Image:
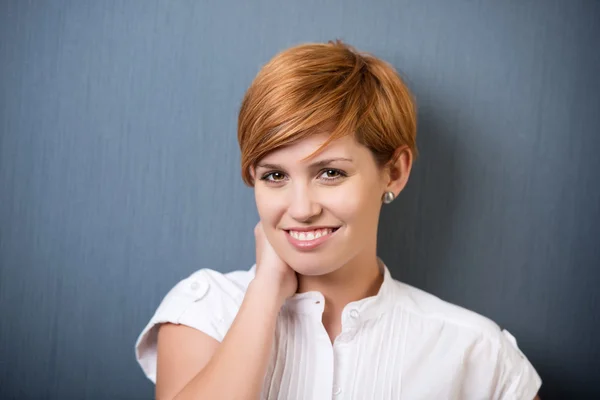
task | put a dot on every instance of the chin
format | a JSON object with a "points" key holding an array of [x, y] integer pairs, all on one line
{"points": [[309, 270], [312, 266]]}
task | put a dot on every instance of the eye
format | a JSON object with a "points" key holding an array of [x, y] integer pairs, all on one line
{"points": [[332, 174], [275, 176]]}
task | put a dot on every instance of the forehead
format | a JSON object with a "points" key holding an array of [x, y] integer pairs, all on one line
{"points": [[302, 150]]}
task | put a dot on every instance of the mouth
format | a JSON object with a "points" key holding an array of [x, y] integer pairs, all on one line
{"points": [[307, 239]]}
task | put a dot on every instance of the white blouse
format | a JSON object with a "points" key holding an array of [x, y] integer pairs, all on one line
{"points": [[402, 343]]}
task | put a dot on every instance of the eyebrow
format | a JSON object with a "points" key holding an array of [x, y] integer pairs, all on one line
{"points": [[320, 163]]}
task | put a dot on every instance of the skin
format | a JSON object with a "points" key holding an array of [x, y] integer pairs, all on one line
{"points": [[291, 191], [340, 187]]}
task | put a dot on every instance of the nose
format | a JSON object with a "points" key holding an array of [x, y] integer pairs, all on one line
{"points": [[303, 206]]}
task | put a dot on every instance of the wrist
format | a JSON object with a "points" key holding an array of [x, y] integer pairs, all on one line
{"points": [[270, 292]]}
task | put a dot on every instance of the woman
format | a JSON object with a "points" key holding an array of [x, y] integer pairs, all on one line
{"points": [[327, 135]]}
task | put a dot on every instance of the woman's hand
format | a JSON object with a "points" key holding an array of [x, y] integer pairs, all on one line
{"points": [[272, 273]]}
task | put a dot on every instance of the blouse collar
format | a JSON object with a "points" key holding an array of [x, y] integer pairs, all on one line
{"points": [[367, 308]]}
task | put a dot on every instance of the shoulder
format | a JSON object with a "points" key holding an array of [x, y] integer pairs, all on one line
{"points": [[207, 281], [233, 281], [203, 293], [428, 307], [206, 300], [484, 356]]}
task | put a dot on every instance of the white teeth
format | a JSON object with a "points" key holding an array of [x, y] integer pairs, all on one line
{"points": [[311, 235]]}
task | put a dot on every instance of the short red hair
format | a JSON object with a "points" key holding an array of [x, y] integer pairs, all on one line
{"points": [[312, 87]]}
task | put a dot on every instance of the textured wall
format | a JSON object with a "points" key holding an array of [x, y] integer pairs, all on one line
{"points": [[119, 170]]}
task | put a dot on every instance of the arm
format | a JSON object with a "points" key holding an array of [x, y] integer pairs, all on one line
{"points": [[192, 365]]}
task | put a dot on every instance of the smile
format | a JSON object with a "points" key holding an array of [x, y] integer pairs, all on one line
{"points": [[309, 239]]}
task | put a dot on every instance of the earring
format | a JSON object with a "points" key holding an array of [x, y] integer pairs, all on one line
{"points": [[388, 197]]}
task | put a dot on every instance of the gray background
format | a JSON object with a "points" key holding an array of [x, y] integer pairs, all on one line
{"points": [[119, 170]]}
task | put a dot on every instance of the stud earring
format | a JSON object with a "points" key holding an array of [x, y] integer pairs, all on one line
{"points": [[388, 197]]}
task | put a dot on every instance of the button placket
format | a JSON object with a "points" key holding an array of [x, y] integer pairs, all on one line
{"points": [[347, 335], [343, 350], [350, 326]]}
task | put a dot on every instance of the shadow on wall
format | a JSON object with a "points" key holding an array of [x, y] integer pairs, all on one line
{"points": [[439, 235], [415, 231]]}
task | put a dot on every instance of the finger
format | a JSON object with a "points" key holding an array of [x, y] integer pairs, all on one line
{"points": [[258, 238], [257, 229]]}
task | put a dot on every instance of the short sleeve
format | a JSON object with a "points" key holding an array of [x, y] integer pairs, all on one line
{"points": [[207, 301], [517, 378]]}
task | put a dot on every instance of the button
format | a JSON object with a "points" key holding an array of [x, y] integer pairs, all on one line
{"points": [[198, 289], [336, 390], [354, 314]]}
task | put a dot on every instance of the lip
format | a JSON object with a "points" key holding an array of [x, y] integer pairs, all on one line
{"points": [[309, 244], [310, 228]]}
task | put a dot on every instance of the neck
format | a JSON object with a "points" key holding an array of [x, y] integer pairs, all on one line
{"points": [[356, 280]]}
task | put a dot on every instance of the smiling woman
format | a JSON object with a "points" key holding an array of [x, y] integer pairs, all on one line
{"points": [[339, 189], [327, 135]]}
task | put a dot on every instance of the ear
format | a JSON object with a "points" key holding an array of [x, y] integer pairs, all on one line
{"points": [[398, 170]]}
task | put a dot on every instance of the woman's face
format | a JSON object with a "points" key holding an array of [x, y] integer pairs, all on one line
{"points": [[322, 212]]}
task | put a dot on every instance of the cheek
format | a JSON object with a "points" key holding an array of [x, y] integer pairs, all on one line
{"points": [[268, 204], [353, 202]]}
